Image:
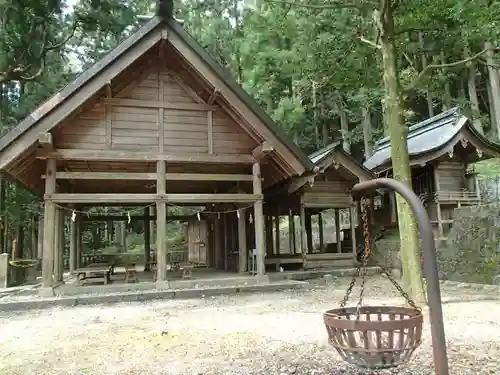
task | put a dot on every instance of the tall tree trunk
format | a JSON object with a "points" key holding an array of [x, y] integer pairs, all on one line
{"points": [[410, 250], [315, 115], [447, 102], [344, 130], [428, 93], [367, 131], [494, 86], [237, 35], [472, 88]]}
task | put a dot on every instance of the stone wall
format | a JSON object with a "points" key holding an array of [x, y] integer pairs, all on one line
{"points": [[472, 253]]}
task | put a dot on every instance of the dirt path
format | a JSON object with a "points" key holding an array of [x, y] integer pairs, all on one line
{"points": [[280, 333]]}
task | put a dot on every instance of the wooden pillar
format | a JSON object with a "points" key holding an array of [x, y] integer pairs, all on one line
{"points": [[161, 222], [309, 239], [217, 241], [260, 244], [225, 242], [152, 234], [59, 245], [39, 250], [48, 225], [352, 212], [242, 242], [303, 235], [321, 234], [337, 230], [79, 237], [269, 236], [73, 240], [147, 237], [277, 233]]}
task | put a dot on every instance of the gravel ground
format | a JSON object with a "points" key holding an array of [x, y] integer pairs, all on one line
{"points": [[274, 333]]}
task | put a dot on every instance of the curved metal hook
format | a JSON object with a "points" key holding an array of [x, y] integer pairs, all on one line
{"points": [[430, 263]]}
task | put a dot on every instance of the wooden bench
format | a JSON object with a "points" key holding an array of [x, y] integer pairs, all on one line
{"points": [[95, 272], [104, 264]]}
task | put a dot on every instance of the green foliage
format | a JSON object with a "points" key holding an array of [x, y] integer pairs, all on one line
{"points": [[304, 65]]}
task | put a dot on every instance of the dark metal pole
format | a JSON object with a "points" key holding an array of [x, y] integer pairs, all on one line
{"points": [[430, 264]]}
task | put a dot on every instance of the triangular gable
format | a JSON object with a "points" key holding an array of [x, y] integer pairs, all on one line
{"points": [[331, 156], [92, 81]]}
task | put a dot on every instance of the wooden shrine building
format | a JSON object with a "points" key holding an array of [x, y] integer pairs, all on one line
{"points": [[158, 122], [440, 150], [308, 196]]}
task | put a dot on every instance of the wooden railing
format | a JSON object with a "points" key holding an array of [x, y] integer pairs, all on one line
{"points": [[457, 195]]}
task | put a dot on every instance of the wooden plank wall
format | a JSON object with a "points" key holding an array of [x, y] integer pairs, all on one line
{"points": [[183, 123], [451, 176], [328, 194]]}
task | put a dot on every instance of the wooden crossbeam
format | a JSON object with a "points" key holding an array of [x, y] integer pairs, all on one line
{"points": [[150, 176], [114, 155], [147, 198], [161, 104]]}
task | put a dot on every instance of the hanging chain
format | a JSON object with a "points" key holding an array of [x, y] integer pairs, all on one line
{"points": [[361, 267], [366, 252], [400, 289]]}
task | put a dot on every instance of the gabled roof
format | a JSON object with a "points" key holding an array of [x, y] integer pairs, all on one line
{"points": [[430, 137], [63, 103], [328, 156], [321, 159]]}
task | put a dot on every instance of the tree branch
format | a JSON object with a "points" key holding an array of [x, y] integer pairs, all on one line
{"points": [[370, 43], [431, 67], [482, 62], [21, 72]]}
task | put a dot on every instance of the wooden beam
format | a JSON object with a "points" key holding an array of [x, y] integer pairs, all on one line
{"points": [[262, 150], [45, 140], [146, 198], [213, 96], [161, 104], [100, 198], [150, 176], [161, 222], [73, 239], [242, 242], [213, 198], [260, 241], [147, 240], [49, 217], [115, 155]]}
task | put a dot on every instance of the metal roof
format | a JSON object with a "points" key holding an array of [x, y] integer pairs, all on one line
{"points": [[427, 136], [320, 155]]}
